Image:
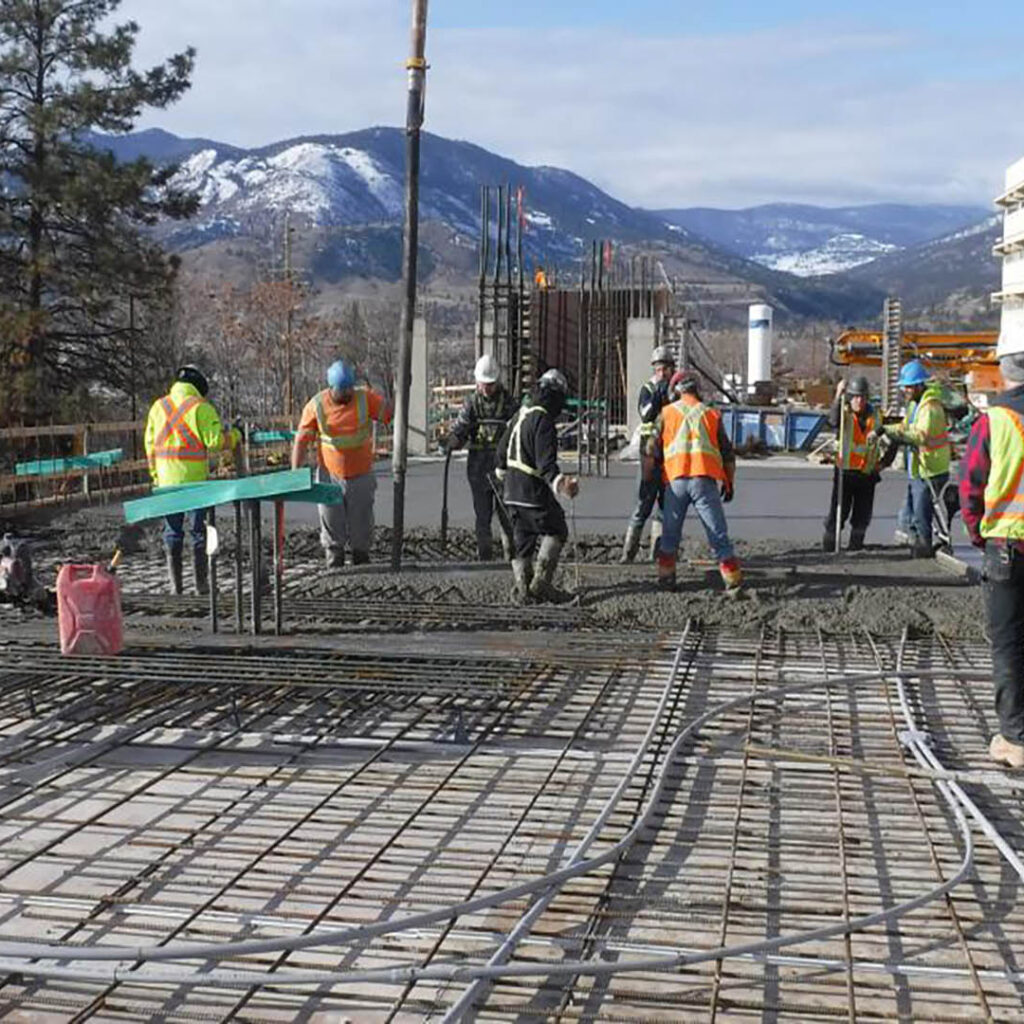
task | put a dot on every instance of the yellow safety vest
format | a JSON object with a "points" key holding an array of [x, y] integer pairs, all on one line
{"points": [[1004, 491]]}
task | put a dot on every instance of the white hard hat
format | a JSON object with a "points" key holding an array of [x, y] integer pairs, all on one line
{"points": [[1011, 340], [486, 370]]}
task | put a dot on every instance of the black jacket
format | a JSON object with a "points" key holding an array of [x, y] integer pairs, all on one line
{"points": [[531, 440], [482, 420]]}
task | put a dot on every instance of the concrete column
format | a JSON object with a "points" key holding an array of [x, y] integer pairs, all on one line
{"points": [[640, 343], [419, 392]]}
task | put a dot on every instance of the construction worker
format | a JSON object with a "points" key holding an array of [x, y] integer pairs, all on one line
{"points": [[528, 466], [992, 506], [653, 396], [698, 467], [857, 460], [339, 420], [924, 430], [182, 430], [480, 423]]}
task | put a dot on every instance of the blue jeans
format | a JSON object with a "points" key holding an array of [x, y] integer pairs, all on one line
{"points": [[916, 515], [174, 530], [649, 494], [702, 493]]}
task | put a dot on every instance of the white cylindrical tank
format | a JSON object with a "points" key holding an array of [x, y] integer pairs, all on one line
{"points": [[759, 345]]}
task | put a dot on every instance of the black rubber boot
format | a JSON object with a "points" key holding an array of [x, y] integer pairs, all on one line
{"points": [[334, 558], [360, 557], [522, 577], [542, 589], [828, 540], [857, 540], [485, 549], [174, 569], [201, 570]]}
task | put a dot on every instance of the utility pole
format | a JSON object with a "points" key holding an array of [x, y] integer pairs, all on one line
{"points": [[288, 405], [416, 66]]}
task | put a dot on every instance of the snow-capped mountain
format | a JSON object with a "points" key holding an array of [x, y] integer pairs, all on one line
{"points": [[810, 241]]}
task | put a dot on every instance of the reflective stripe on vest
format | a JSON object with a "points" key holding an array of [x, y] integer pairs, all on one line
{"points": [[175, 439], [355, 438], [514, 456], [934, 442], [1004, 492], [860, 449], [692, 451]]}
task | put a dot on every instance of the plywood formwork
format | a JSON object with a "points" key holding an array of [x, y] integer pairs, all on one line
{"points": [[417, 797]]}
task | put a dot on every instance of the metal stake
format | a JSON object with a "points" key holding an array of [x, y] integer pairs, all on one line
{"points": [[278, 564], [211, 516]]}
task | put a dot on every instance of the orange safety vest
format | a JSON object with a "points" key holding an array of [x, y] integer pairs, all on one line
{"points": [[1004, 491], [689, 437], [175, 439], [860, 450]]}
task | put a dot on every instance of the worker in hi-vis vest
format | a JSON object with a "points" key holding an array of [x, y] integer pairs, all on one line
{"points": [[992, 506], [182, 431], [339, 420]]}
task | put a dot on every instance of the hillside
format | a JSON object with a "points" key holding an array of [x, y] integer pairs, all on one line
{"points": [[343, 195]]}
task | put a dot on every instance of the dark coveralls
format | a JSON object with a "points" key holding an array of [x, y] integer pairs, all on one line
{"points": [[651, 399], [858, 486], [480, 424], [1004, 574], [528, 456]]}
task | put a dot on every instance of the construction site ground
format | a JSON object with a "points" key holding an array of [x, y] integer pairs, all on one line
{"points": [[425, 803]]}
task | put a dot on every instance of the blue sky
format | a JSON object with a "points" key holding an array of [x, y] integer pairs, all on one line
{"points": [[661, 103]]}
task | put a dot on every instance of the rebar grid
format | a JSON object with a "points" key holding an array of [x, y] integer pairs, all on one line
{"points": [[315, 791]]}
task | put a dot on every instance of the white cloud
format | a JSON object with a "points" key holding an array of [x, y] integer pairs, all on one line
{"points": [[826, 114]]}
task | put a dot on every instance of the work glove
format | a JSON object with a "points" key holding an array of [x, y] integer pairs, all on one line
{"points": [[661, 392], [879, 431], [569, 486], [726, 491], [450, 443]]}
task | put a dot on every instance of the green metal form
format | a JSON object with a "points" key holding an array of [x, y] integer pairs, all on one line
{"points": [[286, 485], [47, 467], [271, 436]]}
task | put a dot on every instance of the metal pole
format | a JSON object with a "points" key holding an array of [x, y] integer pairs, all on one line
{"points": [[278, 566], [839, 477], [288, 398], [417, 68]]}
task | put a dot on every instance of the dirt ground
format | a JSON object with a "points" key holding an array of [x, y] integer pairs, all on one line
{"points": [[789, 585]]}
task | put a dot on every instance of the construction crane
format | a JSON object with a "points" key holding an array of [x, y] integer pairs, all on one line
{"points": [[967, 356]]}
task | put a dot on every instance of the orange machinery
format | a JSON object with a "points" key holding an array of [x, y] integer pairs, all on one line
{"points": [[970, 356]]}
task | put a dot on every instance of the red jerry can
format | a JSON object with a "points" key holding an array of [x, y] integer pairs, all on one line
{"points": [[89, 610]]}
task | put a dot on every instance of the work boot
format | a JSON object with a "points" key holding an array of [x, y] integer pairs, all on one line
{"points": [[485, 549], [522, 576], [656, 531], [334, 558], [1005, 751], [174, 569], [857, 540], [201, 571], [360, 557], [666, 571], [922, 549], [732, 575], [631, 545], [828, 540], [542, 589]]}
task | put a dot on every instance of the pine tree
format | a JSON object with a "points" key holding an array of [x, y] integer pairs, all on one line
{"points": [[71, 249]]}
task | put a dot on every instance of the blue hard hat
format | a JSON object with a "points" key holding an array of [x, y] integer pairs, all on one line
{"points": [[340, 376], [912, 374]]}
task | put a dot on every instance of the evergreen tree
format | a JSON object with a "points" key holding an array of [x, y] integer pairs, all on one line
{"points": [[71, 250]]}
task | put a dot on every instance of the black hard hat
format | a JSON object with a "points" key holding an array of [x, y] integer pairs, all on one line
{"points": [[858, 386], [190, 374]]}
